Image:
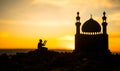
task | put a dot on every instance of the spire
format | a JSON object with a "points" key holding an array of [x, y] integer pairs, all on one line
{"points": [[90, 16], [78, 18], [78, 23], [104, 17], [104, 24]]}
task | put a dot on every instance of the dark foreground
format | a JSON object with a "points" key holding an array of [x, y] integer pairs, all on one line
{"points": [[38, 60]]}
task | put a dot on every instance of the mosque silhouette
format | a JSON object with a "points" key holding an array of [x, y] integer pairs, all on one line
{"points": [[91, 39]]}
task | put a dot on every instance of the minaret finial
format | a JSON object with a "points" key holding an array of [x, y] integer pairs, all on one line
{"points": [[104, 24], [78, 13], [104, 13], [77, 24], [104, 17], [78, 18]]}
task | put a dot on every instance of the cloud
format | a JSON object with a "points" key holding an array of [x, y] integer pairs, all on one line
{"points": [[25, 10], [10, 4], [54, 2], [116, 2], [115, 5], [9, 8]]}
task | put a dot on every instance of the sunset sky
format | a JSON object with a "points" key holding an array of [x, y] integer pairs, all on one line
{"points": [[24, 22]]}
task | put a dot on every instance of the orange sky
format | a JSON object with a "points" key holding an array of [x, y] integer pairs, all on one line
{"points": [[24, 22]]}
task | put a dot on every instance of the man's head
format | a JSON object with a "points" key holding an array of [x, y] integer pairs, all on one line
{"points": [[40, 40]]}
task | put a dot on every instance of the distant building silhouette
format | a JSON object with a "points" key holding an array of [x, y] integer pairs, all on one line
{"points": [[91, 40]]}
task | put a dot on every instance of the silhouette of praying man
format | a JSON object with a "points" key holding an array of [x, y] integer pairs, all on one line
{"points": [[40, 44]]}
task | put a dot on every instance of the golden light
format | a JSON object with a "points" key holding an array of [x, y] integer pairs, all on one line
{"points": [[67, 42], [4, 35], [23, 23]]}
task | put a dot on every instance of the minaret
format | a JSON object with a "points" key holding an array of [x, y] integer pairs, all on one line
{"points": [[104, 24], [105, 36], [77, 24], [77, 35]]}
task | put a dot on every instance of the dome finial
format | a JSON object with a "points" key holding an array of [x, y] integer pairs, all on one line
{"points": [[78, 18], [104, 17], [90, 16]]}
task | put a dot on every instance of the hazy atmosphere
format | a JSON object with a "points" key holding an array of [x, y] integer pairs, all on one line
{"points": [[24, 22]]}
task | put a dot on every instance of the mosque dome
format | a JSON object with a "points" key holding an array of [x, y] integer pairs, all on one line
{"points": [[91, 26]]}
